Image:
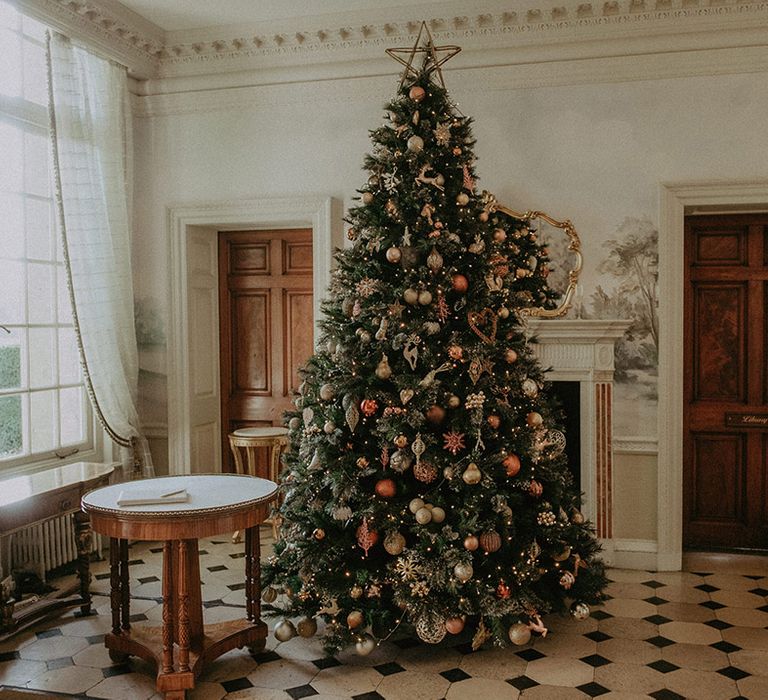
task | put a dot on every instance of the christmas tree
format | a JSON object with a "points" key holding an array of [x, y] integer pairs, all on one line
{"points": [[426, 485]]}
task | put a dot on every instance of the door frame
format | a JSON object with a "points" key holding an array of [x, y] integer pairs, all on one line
{"points": [[678, 199], [322, 214]]}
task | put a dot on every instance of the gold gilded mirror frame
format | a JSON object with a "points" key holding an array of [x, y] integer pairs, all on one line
{"points": [[574, 245]]}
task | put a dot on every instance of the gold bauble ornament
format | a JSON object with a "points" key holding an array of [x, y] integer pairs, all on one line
{"points": [[269, 594], [471, 543], [454, 401], [534, 419], [463, 572], [355, 592], [393, 254], [383, 370], [401, 441], [462, 199], [394, 543], [423, 516], [367, 198], [425, 297], [438, 515], [471, 474], [562, 555], [577, 517], [415, 504], [355, 619], [411, 296], [307, 627], [327, 392], [580, 611]]}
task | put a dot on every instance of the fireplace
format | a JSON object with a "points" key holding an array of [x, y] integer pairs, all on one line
{"points": [[579, 357]]}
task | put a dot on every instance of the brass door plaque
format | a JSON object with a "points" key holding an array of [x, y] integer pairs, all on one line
{"points": [[747, 420]]}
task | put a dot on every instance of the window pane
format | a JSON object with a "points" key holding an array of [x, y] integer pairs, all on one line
{"points": [[42, 357], [43, 419], [11, 441], [39, 233], [11, 225], [36, 171], [69, 358], [10, 63], [35, 88], [42, 291], [13, 301], [71, 411], [10, 359], [11, 142]]}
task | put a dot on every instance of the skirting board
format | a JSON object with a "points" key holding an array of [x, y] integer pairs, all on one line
{"points": [[630, 554]]}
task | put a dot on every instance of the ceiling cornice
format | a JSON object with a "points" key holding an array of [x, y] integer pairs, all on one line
{"points": [[507, 36]]}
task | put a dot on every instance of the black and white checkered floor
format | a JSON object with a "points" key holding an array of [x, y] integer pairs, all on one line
{"points": [[661, 635]]}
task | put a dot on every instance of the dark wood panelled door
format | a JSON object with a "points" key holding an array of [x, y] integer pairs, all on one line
{"points": [[266, 318], [726, 382]]}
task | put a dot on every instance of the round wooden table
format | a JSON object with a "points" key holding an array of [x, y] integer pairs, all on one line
{"points": [[217, 503]]}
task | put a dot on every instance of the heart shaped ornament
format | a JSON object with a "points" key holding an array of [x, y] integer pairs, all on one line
{"points": [[406, 395], [483, 324]]}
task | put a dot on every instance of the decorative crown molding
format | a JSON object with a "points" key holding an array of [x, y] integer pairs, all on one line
{"points": [[505, 33]]}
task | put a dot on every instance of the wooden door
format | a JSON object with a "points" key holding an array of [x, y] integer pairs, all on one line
{"points": [[726, 383], [266, 318]]}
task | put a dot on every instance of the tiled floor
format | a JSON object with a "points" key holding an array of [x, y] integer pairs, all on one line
{"points": [[661, 635]]}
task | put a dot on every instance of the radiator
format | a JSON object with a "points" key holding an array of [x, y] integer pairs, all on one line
{"points": [[48, 545]]}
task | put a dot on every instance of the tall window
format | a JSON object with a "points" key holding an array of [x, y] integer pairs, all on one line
{"points": [[43, 409]]}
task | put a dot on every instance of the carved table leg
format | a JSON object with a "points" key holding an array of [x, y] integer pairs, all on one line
{"points": [[83, 539], [168, 611], [125, 589], [183, 613], [253, 584], [114, 583]]}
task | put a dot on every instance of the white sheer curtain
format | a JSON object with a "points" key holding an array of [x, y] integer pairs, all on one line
{"points": [[91, 139]]}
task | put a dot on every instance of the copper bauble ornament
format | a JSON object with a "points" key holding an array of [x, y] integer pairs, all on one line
{"points": [[490, 541], [362, 462], [401, 441], [455, 352], [471, 543], [415, 505], [534, 419], [369, 406], [471, 474], [454, 625], [355, 619], [394, 543], [426, 472], [435, 414], [494, 421], [307, 627], [483, 216], [318, 533], [284, 630], [393, 254], [511, 465], [459, 283], [580, 611], [438, 515], [499, 235], [385, 488], [519, 634], [535, 488], [463, 572], [417, 93]]}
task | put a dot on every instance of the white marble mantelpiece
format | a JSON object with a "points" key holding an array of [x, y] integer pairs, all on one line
{"points": [[582, 350]]}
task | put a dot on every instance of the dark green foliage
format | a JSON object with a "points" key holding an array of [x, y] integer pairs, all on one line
{"points": [[465, 357]]}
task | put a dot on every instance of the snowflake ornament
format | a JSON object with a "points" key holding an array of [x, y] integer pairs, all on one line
{"points": [[454, 442], [366, 286], [443, 134]]}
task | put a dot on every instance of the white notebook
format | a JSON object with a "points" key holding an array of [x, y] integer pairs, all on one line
{"points": [[151, 496]]}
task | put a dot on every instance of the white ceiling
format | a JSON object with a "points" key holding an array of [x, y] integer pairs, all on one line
{"points": [[180, 15]]}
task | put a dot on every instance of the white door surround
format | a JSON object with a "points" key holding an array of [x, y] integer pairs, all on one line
{"points": [[187, 226], [677, 200]]}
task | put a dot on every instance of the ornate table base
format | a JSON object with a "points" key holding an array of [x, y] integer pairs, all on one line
{"points": [[183, 645]]}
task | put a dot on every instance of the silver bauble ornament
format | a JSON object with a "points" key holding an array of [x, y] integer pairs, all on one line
{"points": [[415, 505], [294, 423], [284, 630], [327, 392], [365, 645], [580, 611], [400, 461], [519, 634], [307, 627], [530, 388], [329, 427], [423, 516], [463, 572], [415, 144]]}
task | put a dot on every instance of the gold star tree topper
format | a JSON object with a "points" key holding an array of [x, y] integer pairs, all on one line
{"points": [[433, 57]]}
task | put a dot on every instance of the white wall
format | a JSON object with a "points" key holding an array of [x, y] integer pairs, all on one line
{"points": [[594, 153]]}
